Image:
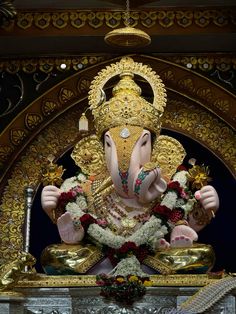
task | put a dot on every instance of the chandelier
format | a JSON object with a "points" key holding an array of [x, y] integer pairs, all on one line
{"points": [[127, 36]]}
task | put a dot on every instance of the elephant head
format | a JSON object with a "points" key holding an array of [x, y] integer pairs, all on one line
{"points": [[127, 150]]}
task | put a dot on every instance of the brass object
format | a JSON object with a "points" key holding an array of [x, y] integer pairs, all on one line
{"points": [[169, 154], [127, 107], [104, 186], [69, 259], [88, 154], [52, 173], [127, 37], [177, 280], [11, 272], [199, 176], [64, 259], [199, 258], [149, 166]]}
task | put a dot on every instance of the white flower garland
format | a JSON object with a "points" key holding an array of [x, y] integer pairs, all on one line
{"points": [[171, 199], [148, 233]]}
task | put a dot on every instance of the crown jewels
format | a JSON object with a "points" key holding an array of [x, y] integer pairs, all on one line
{"points": [[127, 106]]}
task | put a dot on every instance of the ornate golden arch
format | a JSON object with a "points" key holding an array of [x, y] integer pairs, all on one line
{"points": [[196, 107]]}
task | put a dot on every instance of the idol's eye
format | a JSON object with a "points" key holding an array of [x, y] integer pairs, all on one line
{"points": [[144, 143], [108, 144]]}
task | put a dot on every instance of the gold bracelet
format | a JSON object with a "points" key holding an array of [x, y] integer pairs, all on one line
{"points": [[181, 222]]}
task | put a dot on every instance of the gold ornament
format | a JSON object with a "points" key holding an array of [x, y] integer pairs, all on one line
{"points": [[70, 258], [169, 154], [198, 175], [127, 37], [11, 272], [173, 260], [149, 166], [125, 138], [52, 173], [127, 107], [88, 154]]}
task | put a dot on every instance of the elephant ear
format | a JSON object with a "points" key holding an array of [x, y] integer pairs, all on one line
{"points": [[168, 153], [88, 154]]}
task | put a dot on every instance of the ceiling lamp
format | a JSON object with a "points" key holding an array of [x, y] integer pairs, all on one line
{"points": [[127, 36]]}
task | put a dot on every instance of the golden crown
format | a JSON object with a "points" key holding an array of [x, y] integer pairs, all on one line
{"points": [[127, 106]]}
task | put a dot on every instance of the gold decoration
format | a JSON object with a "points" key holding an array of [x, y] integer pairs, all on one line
{"points": [[127, 37], [172, 260], [4, 152], [149, 166], [169, 154], [44, 281], [78, 19], [159, 19], [88, 154], [65, 95], [125, 143], [43, 20], [24, 20], [51, 173], [198, 176], [48, 107], [127, 106], [77, 259], [29, 66], [17, 136], [11, 272], [32, 120], [60, 20]]}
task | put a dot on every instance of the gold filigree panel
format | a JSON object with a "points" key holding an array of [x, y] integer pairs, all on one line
{"points": [[27, 172], [72, 20], [203, 127], [47, 65]]}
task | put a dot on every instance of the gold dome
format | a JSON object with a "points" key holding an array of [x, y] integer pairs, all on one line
{"points": [[127, 37]]}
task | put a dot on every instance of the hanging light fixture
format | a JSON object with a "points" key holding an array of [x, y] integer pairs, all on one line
{"points": [[127, 36]]}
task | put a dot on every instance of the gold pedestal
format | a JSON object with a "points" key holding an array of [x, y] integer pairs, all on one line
{"points": [[65, 259], [199, 258]]}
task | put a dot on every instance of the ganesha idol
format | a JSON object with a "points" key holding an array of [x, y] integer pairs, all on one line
{"points": [[132, 209]]}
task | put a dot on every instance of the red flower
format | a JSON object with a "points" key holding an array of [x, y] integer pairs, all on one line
{"points": [[162, 210], [181, 168], [69, 196], [86, 220], [174, 185], [127, 247], [176, 215]]}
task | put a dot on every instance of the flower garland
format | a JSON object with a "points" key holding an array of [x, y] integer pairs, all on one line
{"points": [[178, 200], [127, 253]]}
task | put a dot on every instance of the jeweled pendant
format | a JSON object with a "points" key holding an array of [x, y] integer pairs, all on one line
{"points": [[125, 133], [128, 222]]}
